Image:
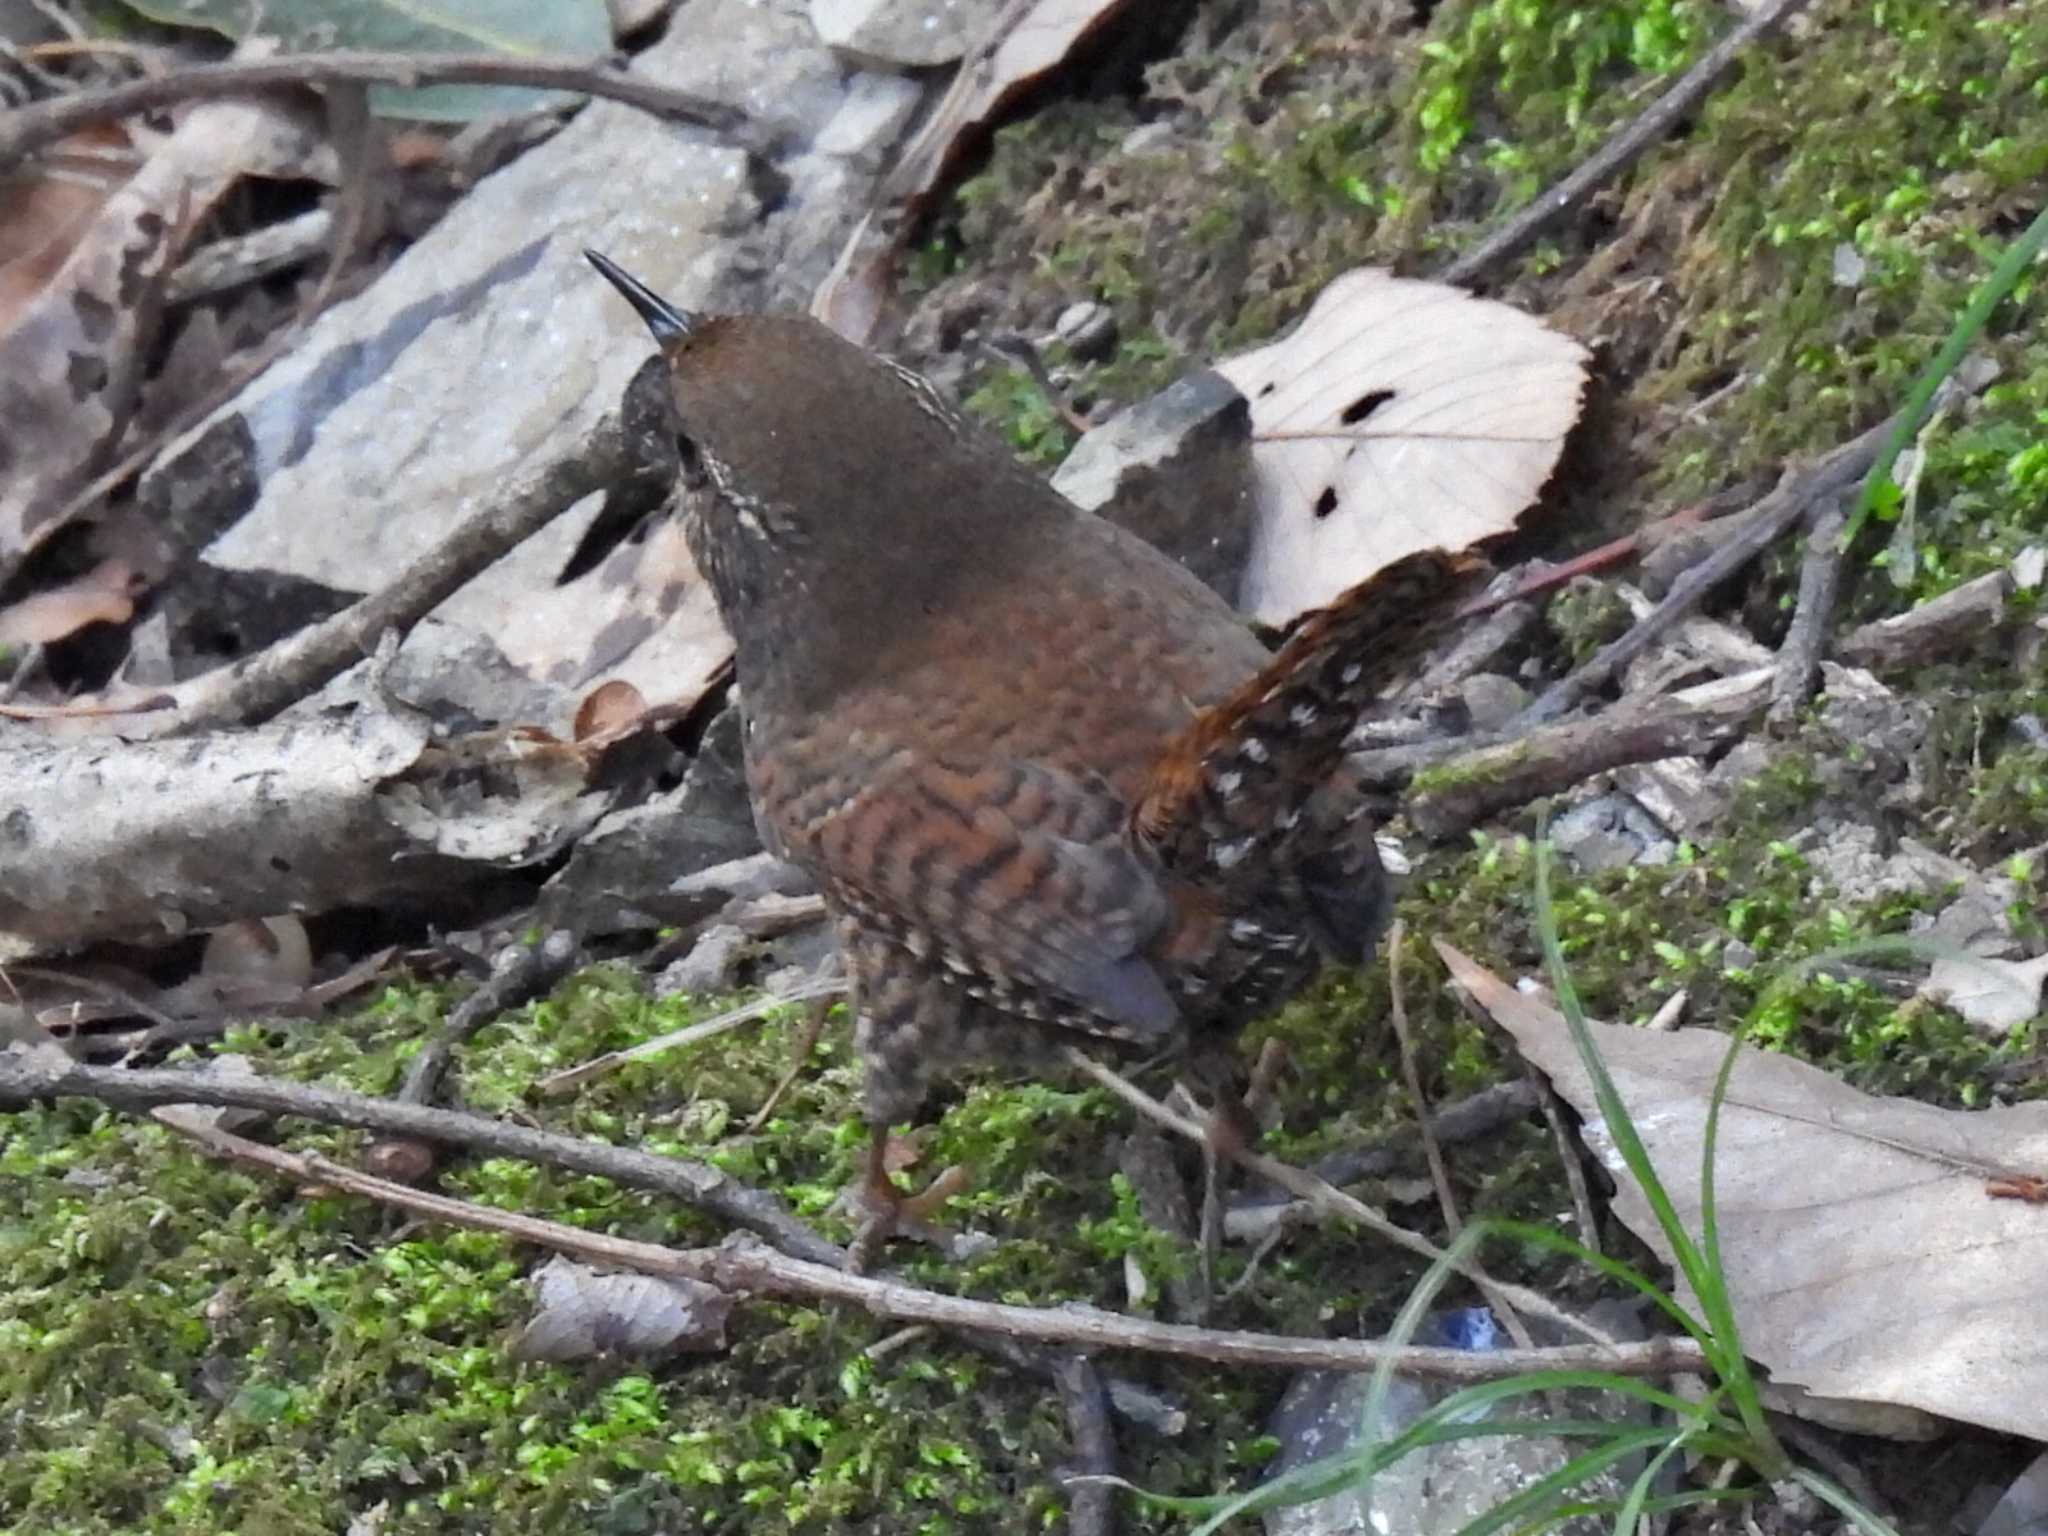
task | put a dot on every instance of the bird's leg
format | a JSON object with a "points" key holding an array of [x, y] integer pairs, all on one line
{"points": [[888, 1212], [1228, 1129]]}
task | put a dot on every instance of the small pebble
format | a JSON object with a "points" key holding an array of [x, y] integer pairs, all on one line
{"points": [[1088, 329]]}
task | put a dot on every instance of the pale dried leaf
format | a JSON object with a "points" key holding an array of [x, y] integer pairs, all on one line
{"points": [[1863, 1255], [584, 1313], [103, 595], [1995, 995], [1399, 416], [47, 208], [270, 952]]}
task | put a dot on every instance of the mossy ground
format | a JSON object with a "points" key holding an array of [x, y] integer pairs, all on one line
{"points": [[189, 1349]]}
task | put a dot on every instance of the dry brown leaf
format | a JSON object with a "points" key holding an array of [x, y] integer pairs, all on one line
{"points": [[45, 210], [1399, 416], [610, 706], [584, 1313], [103, 595], [1029, 38], [70, 354], [1863, 1251]]}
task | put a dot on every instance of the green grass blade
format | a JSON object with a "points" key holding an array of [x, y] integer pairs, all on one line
{"points": [[2003, 279], [1614, 1269], [1863, 1519], [1629, 1516], [1627, 1142], [1714, 1300], [1575, 1471]]}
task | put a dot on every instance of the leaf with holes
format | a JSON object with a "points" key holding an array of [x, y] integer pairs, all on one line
{"points": [[1399, 416]]}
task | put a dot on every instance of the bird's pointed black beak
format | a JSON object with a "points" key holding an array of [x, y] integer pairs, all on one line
{"points": [[663, 318]]}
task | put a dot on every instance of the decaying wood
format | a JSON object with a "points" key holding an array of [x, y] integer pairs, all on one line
{"points": [[1091, 1506], [147, 841], [1820, 580], [1952, 622], [28, 129], [1465, 790]]}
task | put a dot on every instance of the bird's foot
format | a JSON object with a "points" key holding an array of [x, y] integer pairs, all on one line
{"points": [[885, 1211]]}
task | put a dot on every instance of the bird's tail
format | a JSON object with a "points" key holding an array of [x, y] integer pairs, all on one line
{"points": [[1226, 795]]}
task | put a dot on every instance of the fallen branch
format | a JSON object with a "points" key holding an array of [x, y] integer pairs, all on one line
{"points": [[747, 1266], [1953, 621], [1454, 795], [1820, 580], [28, 129], [1760, 527], [1649, 127], [29, 1079], [260, 686], [1092, 1510]]}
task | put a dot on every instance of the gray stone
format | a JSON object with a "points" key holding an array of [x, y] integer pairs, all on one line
{"points": [[489, 349], [621, 875], [1087, 329], [903, 34], [1610, 831], [1492, 701], [709, 968], [1434, 1491], [1176, 471]]}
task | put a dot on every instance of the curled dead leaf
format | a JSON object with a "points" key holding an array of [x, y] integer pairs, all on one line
{"points": [[609, 707], [105, 594]]}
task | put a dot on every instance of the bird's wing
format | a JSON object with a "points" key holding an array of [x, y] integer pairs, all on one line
{"points": [[1225, 794], [1010, 880]]}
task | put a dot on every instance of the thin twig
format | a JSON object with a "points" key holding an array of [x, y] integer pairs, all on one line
{"points": [[799, 1058], [1465, 789], [1091, 1509], [1327, 1199], [521, 973], [1432, 1154], [1820, 580], [745, 1265], [1583, 1210], [1795, 496], [570, 1077], [25, 1080], [28, 129], [1657, 120]]}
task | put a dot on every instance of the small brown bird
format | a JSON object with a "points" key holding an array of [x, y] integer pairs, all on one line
{"points": [[1051, 786]]}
